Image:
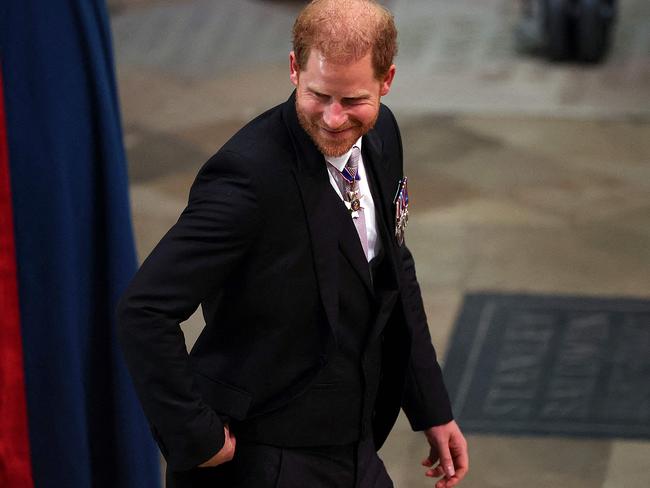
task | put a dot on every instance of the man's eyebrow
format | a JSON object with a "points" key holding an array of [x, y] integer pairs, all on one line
{"points": [[316, 91], [352, 97], [361, 96]]}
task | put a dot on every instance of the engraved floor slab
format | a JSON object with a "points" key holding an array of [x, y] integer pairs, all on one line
{"points": [[576, 366]]}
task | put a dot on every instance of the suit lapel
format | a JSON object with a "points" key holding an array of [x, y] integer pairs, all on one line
{"points": [[380, 186], [376, 166], [329, 222], [324, 241]]}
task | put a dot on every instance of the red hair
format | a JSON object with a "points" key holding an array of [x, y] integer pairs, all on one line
{"points": [[346, 30]]}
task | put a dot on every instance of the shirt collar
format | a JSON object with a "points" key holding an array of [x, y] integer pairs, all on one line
{"points": [[339, 162]]}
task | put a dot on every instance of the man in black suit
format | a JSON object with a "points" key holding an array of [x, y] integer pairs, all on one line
{"points": [[292, 242]]}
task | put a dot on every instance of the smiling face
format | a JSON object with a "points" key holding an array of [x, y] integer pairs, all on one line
{"points": [[337, 102]]}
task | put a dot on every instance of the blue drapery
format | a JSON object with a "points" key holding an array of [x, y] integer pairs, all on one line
{"points": [[74, 244]]}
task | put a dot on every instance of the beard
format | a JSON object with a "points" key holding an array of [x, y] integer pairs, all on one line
{"points": [[332, 147]]}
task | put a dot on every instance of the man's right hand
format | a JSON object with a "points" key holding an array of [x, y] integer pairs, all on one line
{"points": [[226, 453]]}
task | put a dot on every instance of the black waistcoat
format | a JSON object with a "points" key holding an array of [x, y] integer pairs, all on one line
{"points": [[337, 408]]}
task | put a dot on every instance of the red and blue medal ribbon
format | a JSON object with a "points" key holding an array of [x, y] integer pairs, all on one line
{"points": [[349, 177]]}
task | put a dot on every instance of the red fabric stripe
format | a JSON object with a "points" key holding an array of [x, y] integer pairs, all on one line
{"points": [[15, 463]]}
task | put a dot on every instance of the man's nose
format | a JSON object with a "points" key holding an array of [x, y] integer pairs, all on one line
{"points": [[334, 116]]}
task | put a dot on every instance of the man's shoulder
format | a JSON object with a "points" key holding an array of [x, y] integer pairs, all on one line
{"points": [[386, 121], [264, 138], [387, 130], [260, 151]]}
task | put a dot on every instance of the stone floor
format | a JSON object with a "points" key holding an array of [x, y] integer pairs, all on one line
{"points": [[526, 176]]}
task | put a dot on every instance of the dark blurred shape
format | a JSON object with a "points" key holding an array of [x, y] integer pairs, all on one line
{"points": [[74, 250], [567, 30]]}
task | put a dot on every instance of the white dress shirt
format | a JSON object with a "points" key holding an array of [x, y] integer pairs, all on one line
{"points": [[374, 244]]}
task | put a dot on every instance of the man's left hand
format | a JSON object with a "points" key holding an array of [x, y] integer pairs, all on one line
{"points": [[449, 450]]}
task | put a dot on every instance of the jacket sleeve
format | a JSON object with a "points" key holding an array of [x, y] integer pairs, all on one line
{"points": [[192, 261], [425, 402]]}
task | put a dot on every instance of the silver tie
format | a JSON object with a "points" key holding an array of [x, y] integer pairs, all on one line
{"points": [[352, 195]]}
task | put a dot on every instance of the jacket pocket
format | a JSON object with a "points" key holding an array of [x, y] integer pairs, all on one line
{"points": [[225, 399]]}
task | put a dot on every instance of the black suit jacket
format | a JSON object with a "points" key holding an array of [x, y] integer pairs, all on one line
{"points": [[255, 247]]}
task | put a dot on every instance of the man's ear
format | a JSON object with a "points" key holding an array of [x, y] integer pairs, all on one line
{"points": [[294, 69], [387, 81]]}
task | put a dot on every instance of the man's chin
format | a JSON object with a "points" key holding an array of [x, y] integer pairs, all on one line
{"points": [[334, 149]]}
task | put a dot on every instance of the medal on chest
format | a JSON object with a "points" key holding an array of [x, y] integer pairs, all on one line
{"points": [[352, 195], [353, 203], [401, 203]]}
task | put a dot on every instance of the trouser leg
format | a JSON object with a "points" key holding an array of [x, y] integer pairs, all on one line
{"points": [[371, 472], [254, 466], [260, 466]]}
